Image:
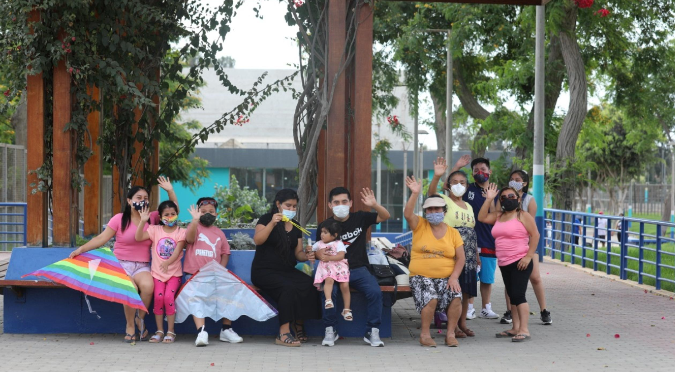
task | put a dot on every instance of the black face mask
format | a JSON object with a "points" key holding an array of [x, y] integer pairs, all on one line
{"points": [[207, 219], [139, 205], [509, 204]]}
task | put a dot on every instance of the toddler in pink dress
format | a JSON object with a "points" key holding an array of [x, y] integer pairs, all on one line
{"points": [[333, 268]]}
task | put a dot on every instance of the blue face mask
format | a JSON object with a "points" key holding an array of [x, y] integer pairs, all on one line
{"points": [[289, 214], [435, 218]]}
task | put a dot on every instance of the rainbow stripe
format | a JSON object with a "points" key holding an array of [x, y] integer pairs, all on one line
{"points": [[109, 282]]}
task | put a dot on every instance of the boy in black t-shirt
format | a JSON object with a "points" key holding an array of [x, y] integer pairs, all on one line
{"points": [[354, 231]]}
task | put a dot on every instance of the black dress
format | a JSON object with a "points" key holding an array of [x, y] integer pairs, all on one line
{"points": [[273, 271]]}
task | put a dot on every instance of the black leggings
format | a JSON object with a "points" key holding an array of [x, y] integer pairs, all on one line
{"points": [[515, 281]]}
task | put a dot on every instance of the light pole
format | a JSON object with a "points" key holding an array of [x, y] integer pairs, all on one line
{"points": [[420, 169], [405, 187]]}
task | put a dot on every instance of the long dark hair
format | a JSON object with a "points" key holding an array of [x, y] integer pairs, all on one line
{"points": [[279, 229], [524, 176], [126, 215]]}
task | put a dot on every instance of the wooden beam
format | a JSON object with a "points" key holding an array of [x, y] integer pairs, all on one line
{"points": [[35, 146], [360, 168], [93, 171], [322, 194], [336, 131], [64, 206]]}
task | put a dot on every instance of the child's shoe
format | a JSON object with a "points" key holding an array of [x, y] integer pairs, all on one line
{"points": [[229, 335]]}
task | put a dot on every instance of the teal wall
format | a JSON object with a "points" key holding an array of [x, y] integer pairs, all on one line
{"points": [[220, 176]]}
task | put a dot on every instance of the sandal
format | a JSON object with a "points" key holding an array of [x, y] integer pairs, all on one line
{"points": [[505, 334], [289, 341], [129, 339], [451, 342], [300, 334], [459, 334], [521, 337], [329, 304], [427, 342], [157, 337], [468, 332], [142, 331], [169, 338], [347, 314]]}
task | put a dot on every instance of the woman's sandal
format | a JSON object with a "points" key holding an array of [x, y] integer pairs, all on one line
{"points": [[329, 304], [347, 314], [289, 341], [427, 342], [142, 331], [505, 334], [459, 333], [169, 338], [521, 337], [129, 339], [157, 337], [451, 342], [468, 332], [300, 334]]}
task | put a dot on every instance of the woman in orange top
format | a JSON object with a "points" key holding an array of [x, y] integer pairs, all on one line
{"points": [[437, 260]]}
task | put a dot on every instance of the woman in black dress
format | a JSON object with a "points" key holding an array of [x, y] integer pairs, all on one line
{"points": [[278, 248]]}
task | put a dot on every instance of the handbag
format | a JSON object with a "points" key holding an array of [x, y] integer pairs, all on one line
{"points": [[384, 275], [400, 254]]}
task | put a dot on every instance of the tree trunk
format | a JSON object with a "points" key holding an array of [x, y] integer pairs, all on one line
{"points": [[439, 119], [555, 74], [569, 132], [473, 108]]}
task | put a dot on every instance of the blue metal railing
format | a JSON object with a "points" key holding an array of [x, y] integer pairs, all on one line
{"points": [[13, 225], [631, 248], [405, 240]]}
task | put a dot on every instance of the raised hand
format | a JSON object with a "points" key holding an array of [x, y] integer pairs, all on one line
{"points": [[463, 161], [440, 166], [194, 212], [414, 186], [491, 191], [165, 183], [145, 214], [368, 197]]}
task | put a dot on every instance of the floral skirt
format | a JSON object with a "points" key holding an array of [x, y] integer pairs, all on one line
{"points": [[426, 289], [336, 270]]}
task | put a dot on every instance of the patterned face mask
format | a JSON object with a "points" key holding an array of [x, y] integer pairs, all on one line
{"points": [[435, 218], [170, 222], [516, 185], [139, 205]]}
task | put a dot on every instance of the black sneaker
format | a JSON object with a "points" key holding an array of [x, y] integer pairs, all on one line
{"points": [[506, 319], [546, 317]]}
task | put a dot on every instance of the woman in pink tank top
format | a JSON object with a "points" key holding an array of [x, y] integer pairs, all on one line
{"points": [[516, 237]]}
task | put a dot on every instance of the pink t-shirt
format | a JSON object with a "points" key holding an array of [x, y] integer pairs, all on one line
{"points": [[154, 218], [163, 246], [126, 247], [210, 244], [511, 241]]}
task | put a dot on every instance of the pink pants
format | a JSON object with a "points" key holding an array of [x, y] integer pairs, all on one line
{"points": [[165, 295]]}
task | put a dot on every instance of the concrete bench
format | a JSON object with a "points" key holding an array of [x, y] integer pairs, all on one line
{"points": [[35, 305]]}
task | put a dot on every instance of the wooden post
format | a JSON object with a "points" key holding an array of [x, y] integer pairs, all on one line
{"points": [[63, 203], [360, 169], [35, 146], [93, 172]]}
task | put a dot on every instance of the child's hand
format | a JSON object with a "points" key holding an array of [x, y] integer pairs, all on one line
{"points": [[195, 213], [165, 183], [164, 266], [145, 214]]}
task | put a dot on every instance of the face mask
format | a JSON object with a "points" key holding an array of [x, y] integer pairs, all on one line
{"points": [[509, 204], [516, 185], [435, 218], [207, 219], [139, 205], [481, 177], [171, 222], [458, 190], [287, 213], [341, 211]]}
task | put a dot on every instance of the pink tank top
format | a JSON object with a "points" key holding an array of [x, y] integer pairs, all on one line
{"points": [[511, 241]]}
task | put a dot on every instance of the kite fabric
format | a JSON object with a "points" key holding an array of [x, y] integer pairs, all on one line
{"points": [[215, 292], [97, 273]]}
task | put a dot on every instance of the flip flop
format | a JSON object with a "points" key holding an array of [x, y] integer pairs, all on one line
{"points": [[468, 332], [460, 334], [131, 339], [505, 334], [142, 331], [523, 339]]}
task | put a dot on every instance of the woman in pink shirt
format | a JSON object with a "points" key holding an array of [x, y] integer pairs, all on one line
{"points": [[133, 256], [516, 239]]}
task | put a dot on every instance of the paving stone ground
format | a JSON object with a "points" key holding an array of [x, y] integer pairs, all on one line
{"points": [[588, 311]]}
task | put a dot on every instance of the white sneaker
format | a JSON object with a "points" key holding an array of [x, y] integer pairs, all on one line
{"points": [[229, 335], [471, 314], [487, 313], [202, 339], [373, 338], [330, 337]]}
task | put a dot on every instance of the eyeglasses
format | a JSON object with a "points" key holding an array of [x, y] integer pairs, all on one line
{"points": [[509, 196]]}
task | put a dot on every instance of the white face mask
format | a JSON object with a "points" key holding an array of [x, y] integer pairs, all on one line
{"points": [[287, 213], [341, 211], [458, 189]]}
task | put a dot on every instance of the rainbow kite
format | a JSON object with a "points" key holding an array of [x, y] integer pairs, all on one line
{"points": [[96, 273]]}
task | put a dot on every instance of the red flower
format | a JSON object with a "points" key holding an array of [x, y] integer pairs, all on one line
{"points": [[70, 70], [298, 3], [7, 93], [73, 38], [602, 13], [584, 3], [67, 50]]}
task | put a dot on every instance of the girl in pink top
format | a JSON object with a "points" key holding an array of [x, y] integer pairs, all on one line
{"points": [[516, 239], [134, 257], [168, 241]]}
